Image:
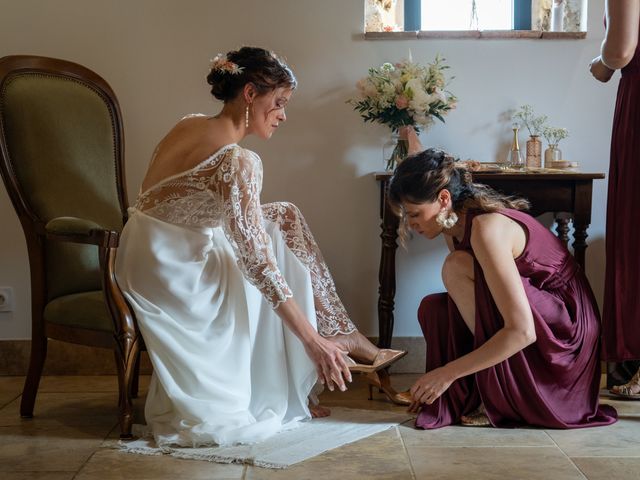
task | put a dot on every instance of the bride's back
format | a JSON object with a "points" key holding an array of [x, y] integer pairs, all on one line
{"points": [[188, 143]]}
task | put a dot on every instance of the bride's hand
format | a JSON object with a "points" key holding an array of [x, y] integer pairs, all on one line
{"points": [[330, 362]]}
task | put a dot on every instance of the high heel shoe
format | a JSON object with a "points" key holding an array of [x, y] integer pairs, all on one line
{"points": [[382, 380], [384, 358]]}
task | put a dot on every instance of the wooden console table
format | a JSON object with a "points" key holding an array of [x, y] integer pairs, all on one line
{"points": [[566, 195]]}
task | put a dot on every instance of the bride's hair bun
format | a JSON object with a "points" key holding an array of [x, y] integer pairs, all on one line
{"points": [[232, 71]]}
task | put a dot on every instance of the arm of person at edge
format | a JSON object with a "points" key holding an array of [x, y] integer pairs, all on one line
{"points": [[496, 240], [621, 38], [413, 142]]}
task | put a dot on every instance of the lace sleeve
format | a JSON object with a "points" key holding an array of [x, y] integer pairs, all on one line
{"points": [[237, 184]]}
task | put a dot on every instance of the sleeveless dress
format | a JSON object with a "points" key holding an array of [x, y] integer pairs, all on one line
{"points": [[203, 265], [621, 309], [551, 383]]}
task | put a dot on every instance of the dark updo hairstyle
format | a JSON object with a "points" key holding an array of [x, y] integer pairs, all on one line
{"points": [[421, 177], [264, 69]]}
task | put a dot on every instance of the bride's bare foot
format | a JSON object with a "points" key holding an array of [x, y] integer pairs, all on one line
{"points": [[318, 411], [358, 346]]}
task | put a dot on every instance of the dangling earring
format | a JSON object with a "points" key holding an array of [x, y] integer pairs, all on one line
{"points": [[246, 117], [446, 219]]}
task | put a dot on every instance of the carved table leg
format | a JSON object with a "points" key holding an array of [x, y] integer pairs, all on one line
{"points": [[387, 276], [562, 228], [579, 242]]}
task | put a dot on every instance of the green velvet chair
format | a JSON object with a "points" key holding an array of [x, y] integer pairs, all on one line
{"points": [[61, 148]]}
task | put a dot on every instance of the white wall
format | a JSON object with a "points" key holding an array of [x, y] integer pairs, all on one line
{"points": [[155, 54]]}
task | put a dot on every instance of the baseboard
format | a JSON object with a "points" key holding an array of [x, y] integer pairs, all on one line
{"points": [[70, 359], [62, 359], [415, 359]]}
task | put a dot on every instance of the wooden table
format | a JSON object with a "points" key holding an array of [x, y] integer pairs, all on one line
{"points": [[566, 195]]}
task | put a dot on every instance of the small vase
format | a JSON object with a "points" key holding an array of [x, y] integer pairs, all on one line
{"points": [[556, 22], [534, 152], [552, 154], [394, 151]]}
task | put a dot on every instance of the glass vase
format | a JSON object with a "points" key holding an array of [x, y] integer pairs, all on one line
{"points": [[534, 152], [552, 154], [394, 151]]}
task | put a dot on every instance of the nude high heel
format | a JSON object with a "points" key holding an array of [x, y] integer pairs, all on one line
{"points": [[382, 380], [384, 358]]}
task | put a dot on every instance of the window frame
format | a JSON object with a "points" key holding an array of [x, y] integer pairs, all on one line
{"points": [[522, 20]]}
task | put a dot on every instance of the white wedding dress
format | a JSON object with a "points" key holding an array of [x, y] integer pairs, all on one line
{"points": [[203, 265]]}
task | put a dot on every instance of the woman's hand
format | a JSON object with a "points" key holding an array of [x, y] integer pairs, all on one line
{"points": [[430, 386], [599, 70], [413, 141], [330, 362]]}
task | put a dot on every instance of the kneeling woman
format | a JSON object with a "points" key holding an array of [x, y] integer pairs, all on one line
{"points": [[514, 341]]}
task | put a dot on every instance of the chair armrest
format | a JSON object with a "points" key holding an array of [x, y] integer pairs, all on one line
{"points": [[80, 230]]}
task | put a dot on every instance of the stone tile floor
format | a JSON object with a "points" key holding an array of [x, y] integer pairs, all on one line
{"points": [[76, 415]]}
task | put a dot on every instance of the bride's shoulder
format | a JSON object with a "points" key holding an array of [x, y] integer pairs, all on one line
{"points": [[244, 158], [193, 115]]}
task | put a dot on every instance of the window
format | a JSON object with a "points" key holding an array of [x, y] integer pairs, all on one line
{"points": [[518, 18], [466, 15]]}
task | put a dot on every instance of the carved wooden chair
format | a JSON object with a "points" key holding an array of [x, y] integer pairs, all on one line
{"points": [[61, 159]]}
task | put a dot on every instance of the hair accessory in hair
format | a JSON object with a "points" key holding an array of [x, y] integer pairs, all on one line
{"points": [[221, 63]]}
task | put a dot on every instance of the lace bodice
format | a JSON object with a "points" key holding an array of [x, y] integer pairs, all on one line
{"points": [[224, 191]]}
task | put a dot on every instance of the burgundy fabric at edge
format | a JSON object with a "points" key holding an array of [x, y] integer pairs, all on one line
{"points": [[553, 382], [621, 310]]}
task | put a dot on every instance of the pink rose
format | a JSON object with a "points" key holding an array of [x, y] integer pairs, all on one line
{"points": [[402, 102]]}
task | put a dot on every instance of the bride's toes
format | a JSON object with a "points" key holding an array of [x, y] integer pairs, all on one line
{"points": [[318, 411]]}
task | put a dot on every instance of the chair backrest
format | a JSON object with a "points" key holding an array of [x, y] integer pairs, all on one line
{"points": [[61, 146]]}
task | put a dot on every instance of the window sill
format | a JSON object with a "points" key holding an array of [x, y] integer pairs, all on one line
{"points": [[480, 34]]}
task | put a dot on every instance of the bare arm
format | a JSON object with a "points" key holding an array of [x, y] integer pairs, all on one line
{"points": [[621, 39], [413, 141], [494, 239]]}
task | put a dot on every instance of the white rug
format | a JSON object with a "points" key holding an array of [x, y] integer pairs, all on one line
{"points": [[345, 425]]}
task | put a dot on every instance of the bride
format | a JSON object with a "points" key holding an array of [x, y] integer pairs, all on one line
{"points": [[237, 308]]}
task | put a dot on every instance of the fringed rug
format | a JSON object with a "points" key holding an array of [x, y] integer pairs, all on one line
{"points": [[311, 438]]}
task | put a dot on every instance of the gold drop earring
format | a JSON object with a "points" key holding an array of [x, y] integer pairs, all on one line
{"points": [[246, 117]]}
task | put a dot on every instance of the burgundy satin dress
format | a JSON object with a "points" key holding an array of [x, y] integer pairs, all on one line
{"points": [[621, 309], [552, 383]]}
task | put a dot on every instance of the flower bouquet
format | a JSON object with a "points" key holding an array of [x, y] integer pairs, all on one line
{"points": [[404, 94]]}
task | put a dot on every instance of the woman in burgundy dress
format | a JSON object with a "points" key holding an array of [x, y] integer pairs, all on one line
{"points": [[621, 311], [515, 340]]}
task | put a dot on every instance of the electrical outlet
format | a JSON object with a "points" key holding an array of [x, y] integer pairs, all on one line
{"points": [[6, 299]]}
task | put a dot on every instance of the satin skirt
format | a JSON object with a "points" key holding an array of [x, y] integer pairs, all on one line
{"points": [[225, 368]]}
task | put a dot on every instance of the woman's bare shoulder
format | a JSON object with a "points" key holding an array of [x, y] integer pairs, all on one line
{"points": [[492, 227], [494, 230]]}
